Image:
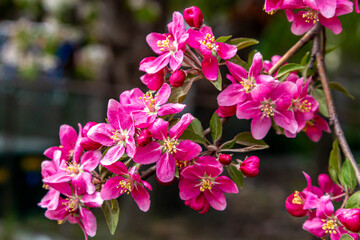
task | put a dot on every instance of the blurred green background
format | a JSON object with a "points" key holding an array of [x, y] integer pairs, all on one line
{"points": [[60, 62]]}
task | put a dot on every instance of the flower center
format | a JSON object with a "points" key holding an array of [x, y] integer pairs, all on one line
{"points": [[150, 103], [167, 44], [297, 198], [71, 168], [125, 186], [119, 137], [305, 106], [170, 145], [205, 184], [311, 16], [329, 226], [248, 84], [71, 204], [267, 109], [209, 41]]}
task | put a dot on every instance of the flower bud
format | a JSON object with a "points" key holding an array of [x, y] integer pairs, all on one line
{"points": [[177, 78], [85, 142], [250, 166], [144, 138], [295, 204], [225, 159], [193, 16], [350, 218]]}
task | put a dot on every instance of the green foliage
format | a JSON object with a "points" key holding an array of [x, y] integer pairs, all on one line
{"points": [[223, 38], [319, 96], [235, 175], [346, 237], [178, 94], [247, 139], [347, 176], [215, 127], [218, 82], [237, 60], [353, 201], [241, 43], [111, 212], [289, 68], [335, 162], [194, 132], [338, 87]]}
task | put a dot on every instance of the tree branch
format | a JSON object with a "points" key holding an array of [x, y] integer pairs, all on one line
{"points": [[148, 172], [333, 118]]}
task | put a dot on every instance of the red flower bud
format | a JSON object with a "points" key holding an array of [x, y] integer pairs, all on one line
{"points": [[177, 78], [350, 218], [193, 16], [144, 138], [294, 204], [250, 166], [225, 159]]}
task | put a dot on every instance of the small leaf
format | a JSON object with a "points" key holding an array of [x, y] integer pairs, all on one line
{"points": [[334, 162], [241, 43], [305, 59], [338, 87], [215, 127], [347, 176], [237, 60], [228, 145], [346, 237], [330, 49], [194, 132], [319, 96], [178, 94], [251, 56], [111, 212], [223, 38], [247, 139], [235, 175], [353, 201], [218, 82], [289, 68]]}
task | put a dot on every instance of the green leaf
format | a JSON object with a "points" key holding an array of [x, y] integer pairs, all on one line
{"points": [[346, 237], [194, 132], [241, 43], [289, 68], [223, 38], [111, 212], [248, 140], [353, 201], [305, 59], [218, 82], [347, 175], [215, 127], [251, 56], [235, 175], [330, 49], [319, 96], [228, 145], [334, 162], [338, 87], [178, 94], [237, 60]]}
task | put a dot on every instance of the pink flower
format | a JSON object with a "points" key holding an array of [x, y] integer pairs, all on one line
{"points": [[169, 46], [168, 149], [85, 142], [315, 127], [118, 134], [152, 80], [200, 183], [273, 5], [250, 166], [350, 218], [204, 40], [295, 204], [193, 16], [128, 182], [269, 103], [146, 107]]}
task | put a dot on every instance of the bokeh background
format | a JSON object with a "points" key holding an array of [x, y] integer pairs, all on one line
{"points": [[60, 62]]}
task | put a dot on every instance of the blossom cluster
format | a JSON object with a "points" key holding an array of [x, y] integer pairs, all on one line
{"points": [[316, 203]]}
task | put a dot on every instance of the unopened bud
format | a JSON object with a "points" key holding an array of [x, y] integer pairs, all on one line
{"points": [[144, 138], [250, 166], [295, 204], [193, 16], [177, 78], [225, 159], [350, 218]]}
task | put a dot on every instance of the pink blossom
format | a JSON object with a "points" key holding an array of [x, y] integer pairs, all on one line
{"points": [[295, 204], [315, 127], [118, 134], [146, 107], [350, 218], [200, 183], [128, 182], [168, 149], [152, 80], [193, 16], [85, 142], [169, 46]]}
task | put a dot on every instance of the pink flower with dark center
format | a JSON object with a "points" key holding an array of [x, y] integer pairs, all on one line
{"points": [[315, 127], [169, 46], [168, 148], [204, 40], [118, 134], [146, 107], [128, 182], [200, 183]]}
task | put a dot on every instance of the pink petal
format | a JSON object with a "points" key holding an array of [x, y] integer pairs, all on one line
{"points": [[226, 185], [159, 129], [82, 183], [187, 150], [113, 154], [68, 136], [152, 40], [210, 68], [216, 199], [300, 26], [170, 108], [50, 200], [159, 63], [90, 160], [177, 26], [165, 168], [333, 24], [260, 126], [248, 110], [226, 51], [189, 188], [176, 60], [101, 133], [232, 95], [141, 197], [314, 226], [286, 120], [153, 81], [177, 130], [89, 221], [236, 71], [163, 94], [112, 189], [118, 168], [193, 172], [326, 7], [256, 66], [148, 154], [92, 200]]}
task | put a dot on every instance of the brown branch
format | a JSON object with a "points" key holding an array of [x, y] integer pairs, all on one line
{"points": [[148, 172], [294, 49], [333, 118]]}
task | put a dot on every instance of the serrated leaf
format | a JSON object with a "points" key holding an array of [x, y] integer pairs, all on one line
{"points": [[218, 82], [178, 94], [237, 60], [248, 140], [241, 43], [215, 127], [319, 96], [228, 145], [353, 201], [289, 68], [305, 59], [223, 38], [335, 162], [347, 176], [111, 212], [235, 175], [346, 237], [338, 87], [194, 132]]}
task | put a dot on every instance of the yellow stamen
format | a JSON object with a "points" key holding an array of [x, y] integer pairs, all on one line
{"points": [[248, 84], [311, 16], [267, 110], [329, 226], [205, 184], [125, 185], [297, 198], [170, 145]]}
